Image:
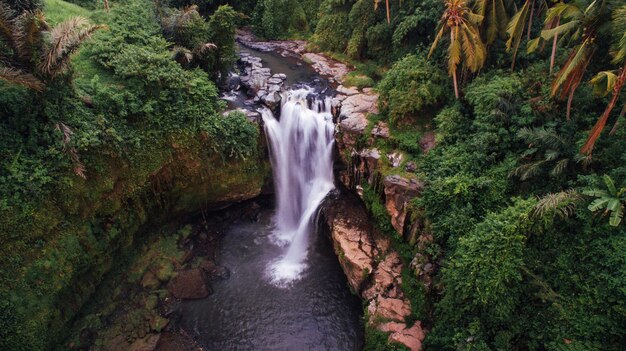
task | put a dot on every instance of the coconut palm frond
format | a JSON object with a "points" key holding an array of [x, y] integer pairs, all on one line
{"points": [[495, 18], [66, 38], [6, 24], [66, 133], [515, 29], [28, 35], [15, 76], [597, 129], [562, 204], [559, 167], [205, 48], [619, 31], [528, 170]]}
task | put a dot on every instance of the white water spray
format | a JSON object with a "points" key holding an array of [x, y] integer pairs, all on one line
{"points": [[301, 146]]}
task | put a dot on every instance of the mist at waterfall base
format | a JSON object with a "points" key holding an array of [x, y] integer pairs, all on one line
{"points": [[286, 290], [301, 147]]}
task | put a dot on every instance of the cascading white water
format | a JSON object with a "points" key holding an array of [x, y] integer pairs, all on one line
{"points": [[301, 145]]}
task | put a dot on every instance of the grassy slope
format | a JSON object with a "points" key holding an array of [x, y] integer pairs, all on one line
{"points": [[84, 68], [59, 10]]}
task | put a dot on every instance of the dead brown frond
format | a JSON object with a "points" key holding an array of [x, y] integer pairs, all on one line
{"points": [[205, 48], [16, 76], [67, 132], [28, 33], [562, 204], [182, 55], [66, 37], [6, 25]]}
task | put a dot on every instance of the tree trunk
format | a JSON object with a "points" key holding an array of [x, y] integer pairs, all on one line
{"points": [[456, 87], [556, 37], [569, 103], [599, 126], [388, 14], [106, 6], [530, 19]]}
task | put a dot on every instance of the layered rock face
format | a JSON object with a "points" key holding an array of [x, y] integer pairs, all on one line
{"points": [[373, 269]]}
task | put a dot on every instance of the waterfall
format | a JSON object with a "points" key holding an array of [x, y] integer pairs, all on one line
{"points": [[301, 145]]}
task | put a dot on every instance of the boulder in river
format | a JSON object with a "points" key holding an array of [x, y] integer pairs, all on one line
{"points": [[189, 284]]}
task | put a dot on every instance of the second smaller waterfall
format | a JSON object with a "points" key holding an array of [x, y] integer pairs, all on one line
{"points": [[301, 146]]}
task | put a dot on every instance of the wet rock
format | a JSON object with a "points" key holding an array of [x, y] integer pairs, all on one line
{"points": [[274, 80], [272, 100], [347, 91], [147, 343], [398, 192], [285, 48], [333, 70], [189, 284], [214, 271], [175, 342]]}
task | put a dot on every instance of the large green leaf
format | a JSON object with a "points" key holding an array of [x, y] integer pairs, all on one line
{"points": [[616, 217], [595, 193], [610, 185], [598, 204]]}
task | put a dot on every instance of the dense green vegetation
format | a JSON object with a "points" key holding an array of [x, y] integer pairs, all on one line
{"points": [[524, 191], [525, 188], [99, 137]]}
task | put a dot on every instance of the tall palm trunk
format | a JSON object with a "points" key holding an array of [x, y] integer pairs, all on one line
{"points": [[530, 19], [554, 40], [388, 14], [599, 126], [454, 78]]}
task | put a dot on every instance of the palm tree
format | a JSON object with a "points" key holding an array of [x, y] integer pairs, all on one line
{"points": [[523, 19], [465, 42], [581, 21], [496, 17], [615, 83], [33, 52], [615, 80], [547, 151], [376, 2], [188, 58], [611, 200]]}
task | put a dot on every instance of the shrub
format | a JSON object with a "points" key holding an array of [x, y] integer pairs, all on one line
{"points": [[412, 86]]}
